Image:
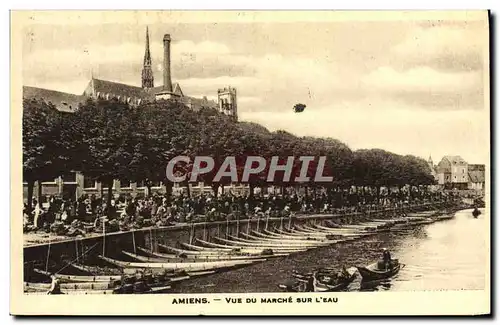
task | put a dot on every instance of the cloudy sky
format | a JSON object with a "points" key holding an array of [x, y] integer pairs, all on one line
{"points": [[414, 86]]}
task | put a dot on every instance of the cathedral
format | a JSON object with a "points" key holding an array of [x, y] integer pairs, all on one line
{"points": [[133, 95]]}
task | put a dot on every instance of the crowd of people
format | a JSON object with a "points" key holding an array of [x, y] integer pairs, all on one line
{"points": [[157, 210]]}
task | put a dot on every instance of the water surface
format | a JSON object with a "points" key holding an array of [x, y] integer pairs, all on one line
{"points": [[445, 255]]}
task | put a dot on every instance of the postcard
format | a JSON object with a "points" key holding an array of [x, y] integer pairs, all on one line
{"points": [[250, 163]]}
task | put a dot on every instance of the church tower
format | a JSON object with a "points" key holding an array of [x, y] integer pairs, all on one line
{"points": [[147, 72]]}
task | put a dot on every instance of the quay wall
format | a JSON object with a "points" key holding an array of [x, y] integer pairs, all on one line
{"points": [[86, 250]]}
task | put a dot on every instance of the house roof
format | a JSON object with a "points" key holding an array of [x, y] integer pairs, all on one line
{"points": [[455, 160], [476, 167], [64, 102], [476, 176]]}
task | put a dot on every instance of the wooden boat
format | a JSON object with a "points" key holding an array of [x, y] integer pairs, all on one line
{"points": [[96, 269], [194, 266], [178, 251], [150, 253], [202, 249], [240, 250], [73, 286], [300, 234], [82, 278], [318, 286], [373, 272], [282, 242], [214, 258], [274, 247], [278, 237], [44, 291]]}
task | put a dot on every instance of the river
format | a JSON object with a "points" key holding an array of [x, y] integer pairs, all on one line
{"points": [[446, 255]]}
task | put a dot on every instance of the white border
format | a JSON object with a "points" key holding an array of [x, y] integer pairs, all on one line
{"points": [[186, 4]]}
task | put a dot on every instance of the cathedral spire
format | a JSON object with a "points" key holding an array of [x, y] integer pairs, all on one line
{"points": [[147, 72]]}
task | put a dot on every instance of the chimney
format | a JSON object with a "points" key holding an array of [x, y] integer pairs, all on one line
{"points": [[167, 79]]}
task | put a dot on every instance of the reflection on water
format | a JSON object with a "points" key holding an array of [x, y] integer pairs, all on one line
{"points": [[449, 254]]}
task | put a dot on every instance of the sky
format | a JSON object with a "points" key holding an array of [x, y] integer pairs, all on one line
{"points": [[407, 86]]}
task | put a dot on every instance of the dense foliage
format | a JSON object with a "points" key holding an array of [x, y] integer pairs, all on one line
{"points": [[110, 140]]}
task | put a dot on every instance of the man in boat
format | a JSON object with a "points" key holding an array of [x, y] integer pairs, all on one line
{"points": [[55, 287], [386, 256], [343, 274]]}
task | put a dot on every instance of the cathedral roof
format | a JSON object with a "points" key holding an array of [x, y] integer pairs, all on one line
{"points": [[175, 86], [118, 89], [64, 102]]}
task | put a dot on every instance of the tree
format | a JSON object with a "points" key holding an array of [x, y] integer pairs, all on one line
{"points": [[44, 155], [107, 133]]}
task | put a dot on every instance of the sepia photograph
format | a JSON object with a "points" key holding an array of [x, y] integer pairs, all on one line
{"points": [[262, 162]]}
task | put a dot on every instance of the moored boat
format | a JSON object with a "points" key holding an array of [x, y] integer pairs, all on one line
{"points": [[189, 266], [320, 281], [81, 278], [374, 271]]}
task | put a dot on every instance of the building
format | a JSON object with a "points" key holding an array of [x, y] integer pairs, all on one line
{"points": [[476, 177], [133, 95], [74, 184], [452, 172]]}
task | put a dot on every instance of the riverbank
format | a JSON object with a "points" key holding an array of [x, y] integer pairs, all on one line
{"points": [[38, 238], [86, 250]]}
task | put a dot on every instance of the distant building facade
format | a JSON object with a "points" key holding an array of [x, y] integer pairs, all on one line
{"points": [[453, 172], [477, 175]]}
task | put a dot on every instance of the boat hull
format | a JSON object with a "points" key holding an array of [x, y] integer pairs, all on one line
{"points": [[370, 274]]}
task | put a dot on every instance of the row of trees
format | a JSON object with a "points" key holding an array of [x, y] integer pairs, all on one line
{"points": [[109, 140]]}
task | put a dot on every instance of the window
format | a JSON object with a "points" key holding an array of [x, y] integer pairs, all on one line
{"points": [[140, 184], [69, 177], [124, 183], [156, 184], [89, 182]]}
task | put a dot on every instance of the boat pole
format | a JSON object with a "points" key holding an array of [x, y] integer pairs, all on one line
{"points": [[103, 237], [76, 249], [133, 241], [290, 222], [267, 221], [205, 231], [191, 228], [258, 220], [248, 226], [48, 254], [151, 239], [227, 226], [238, 227]]}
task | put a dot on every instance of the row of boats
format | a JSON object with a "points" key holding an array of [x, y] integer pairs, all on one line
{"points": [[145, 271]]}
